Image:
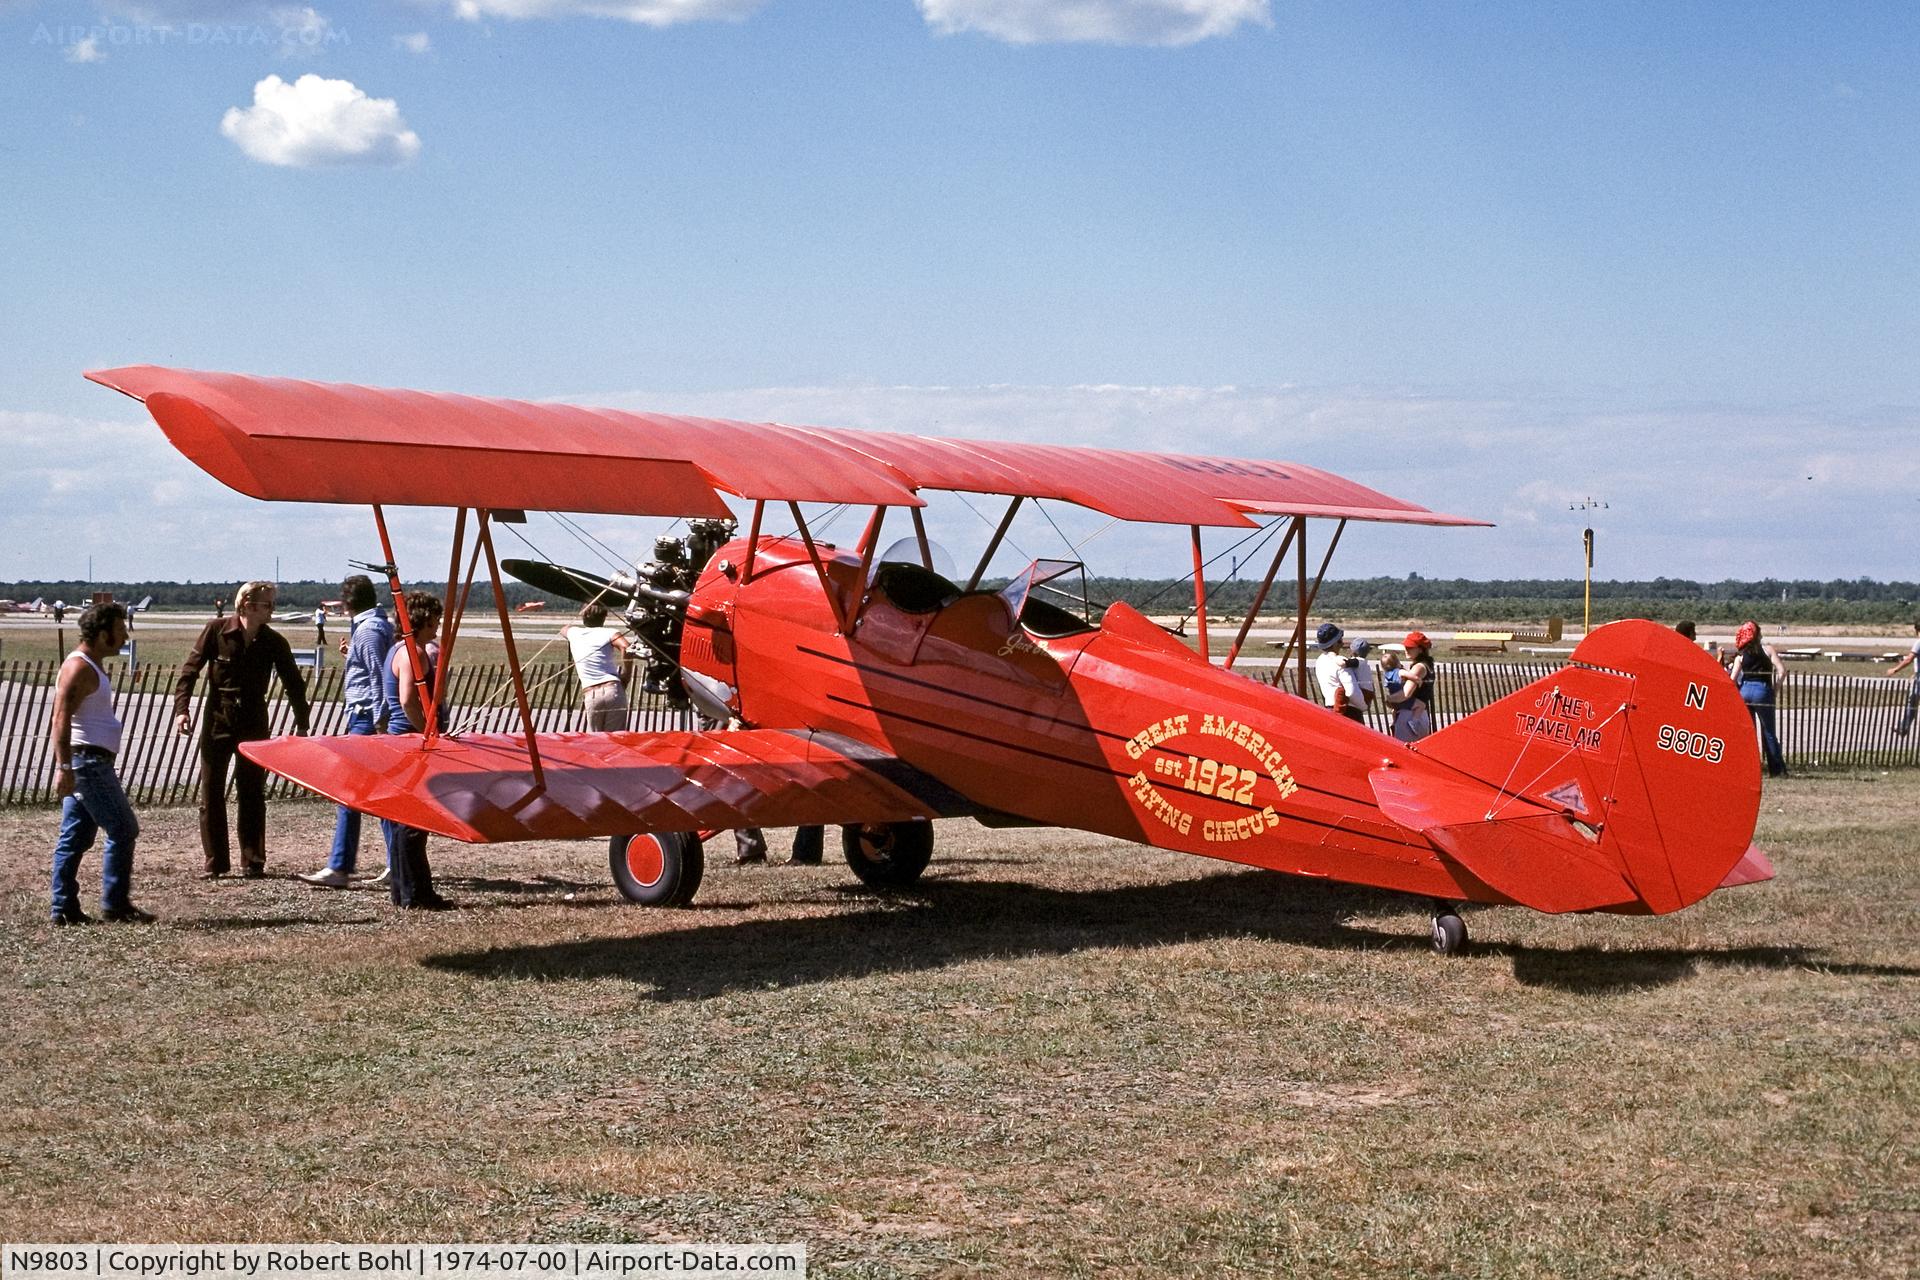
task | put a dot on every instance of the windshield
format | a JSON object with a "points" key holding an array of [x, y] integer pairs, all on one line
{"points": [[1050, 597]]}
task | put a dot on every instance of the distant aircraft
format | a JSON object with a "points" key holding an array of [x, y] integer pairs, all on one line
{"points": [[530, 606], [20, 606], [333, 609]]}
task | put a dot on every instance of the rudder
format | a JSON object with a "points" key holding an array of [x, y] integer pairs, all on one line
{"points": [[1643, 742]]}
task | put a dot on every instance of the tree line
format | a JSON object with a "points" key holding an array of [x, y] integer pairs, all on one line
{"points": [[1467, 600], [1440, 600]]}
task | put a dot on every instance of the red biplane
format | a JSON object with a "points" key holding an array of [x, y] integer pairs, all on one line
{"points": [[878, 695]]}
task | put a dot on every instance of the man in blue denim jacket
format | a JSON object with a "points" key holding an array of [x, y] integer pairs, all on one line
{"points": [[366, 647]]}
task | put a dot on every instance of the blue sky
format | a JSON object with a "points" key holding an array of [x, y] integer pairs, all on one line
{"points": [[1494, 258]]}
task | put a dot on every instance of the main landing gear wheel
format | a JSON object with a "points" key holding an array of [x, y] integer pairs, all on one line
{"points": [[1449, 930], [888, 855], [659, 870]]}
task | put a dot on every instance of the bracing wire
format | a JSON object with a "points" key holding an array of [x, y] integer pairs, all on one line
{"points": [[1507, 797], [588, 540], [1102, 531], [1065, 541], [1006, 541], [1258, 536], [818, 527]]}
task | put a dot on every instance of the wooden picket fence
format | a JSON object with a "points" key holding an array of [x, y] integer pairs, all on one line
{"points": [[1825, 721], [161, 767]]}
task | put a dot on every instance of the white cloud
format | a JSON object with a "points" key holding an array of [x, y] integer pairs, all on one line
{"points": [[85, 50], [416, 43], [1149, 22], [315, 122], [651, 13]]}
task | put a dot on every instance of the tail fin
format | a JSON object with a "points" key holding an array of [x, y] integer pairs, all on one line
{"points": [[1642, 744]]}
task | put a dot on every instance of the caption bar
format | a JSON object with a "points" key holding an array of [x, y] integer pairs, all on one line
{"points": [[398, 1261]]}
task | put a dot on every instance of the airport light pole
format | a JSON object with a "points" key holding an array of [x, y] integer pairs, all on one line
{"points": [[1588, 504], [1586, 614]]}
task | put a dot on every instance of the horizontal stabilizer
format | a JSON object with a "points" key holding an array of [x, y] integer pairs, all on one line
{"points": [[480, 788], [1531, 854]]}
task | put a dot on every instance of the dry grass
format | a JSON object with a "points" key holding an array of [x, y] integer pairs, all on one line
{"points": [[1062, 1056]]}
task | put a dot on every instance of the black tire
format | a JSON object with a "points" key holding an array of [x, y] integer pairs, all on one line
{"points": [[888, 855], [659, 870], [1449, 934]]}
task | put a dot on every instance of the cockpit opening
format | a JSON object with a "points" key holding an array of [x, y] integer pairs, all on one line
{"points": [[913, 588]]}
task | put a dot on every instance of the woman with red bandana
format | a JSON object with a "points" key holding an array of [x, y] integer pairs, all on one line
{"points": [[1757, 669], [1412, 700]]}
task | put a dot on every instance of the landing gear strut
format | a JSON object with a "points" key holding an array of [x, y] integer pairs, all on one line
{"points": [[1449, 930]]}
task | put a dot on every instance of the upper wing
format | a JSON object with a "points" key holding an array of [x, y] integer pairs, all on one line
{"points": [[480, 788], [279, 438]]}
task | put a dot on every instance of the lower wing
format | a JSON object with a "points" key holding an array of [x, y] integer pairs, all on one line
{"points": [[480, 788]]}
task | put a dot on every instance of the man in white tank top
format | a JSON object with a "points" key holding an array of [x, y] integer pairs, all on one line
{"points": [[86, 740], [598, 652]]}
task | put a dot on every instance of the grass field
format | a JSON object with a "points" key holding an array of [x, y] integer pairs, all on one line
{"points": [[1060, 1056]]}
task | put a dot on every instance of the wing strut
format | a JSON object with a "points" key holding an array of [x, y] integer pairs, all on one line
{"points": [[869, 540], [1260, 596], [428, 692], [454, 609], [513, 656], [813, 553], [920, 535], [753, 539], [1306, 597], [1200, 596], [451, 628], [993, 545]]}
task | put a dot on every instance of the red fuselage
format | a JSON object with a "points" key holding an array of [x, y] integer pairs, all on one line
{"points": [[1119, 729]]}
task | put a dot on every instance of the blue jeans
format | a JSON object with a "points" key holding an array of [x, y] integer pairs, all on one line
{"points": [[1913, 702], [97, 804], [1758, 695], [346, 827], [412, 879]]}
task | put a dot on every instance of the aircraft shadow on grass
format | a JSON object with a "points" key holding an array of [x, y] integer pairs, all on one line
{"points": [[946, 922]]}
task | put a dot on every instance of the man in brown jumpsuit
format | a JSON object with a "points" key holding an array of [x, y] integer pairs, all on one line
{"points": [[240, 653]]}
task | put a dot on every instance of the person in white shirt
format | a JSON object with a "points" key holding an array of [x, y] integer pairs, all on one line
{"points": [[1913, 695], [1335, 670], [598, 654], [86, 734]]}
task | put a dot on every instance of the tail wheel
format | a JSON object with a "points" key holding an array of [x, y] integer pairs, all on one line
{"points": [[888, 855], [658, 870], [1449, 933]]}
